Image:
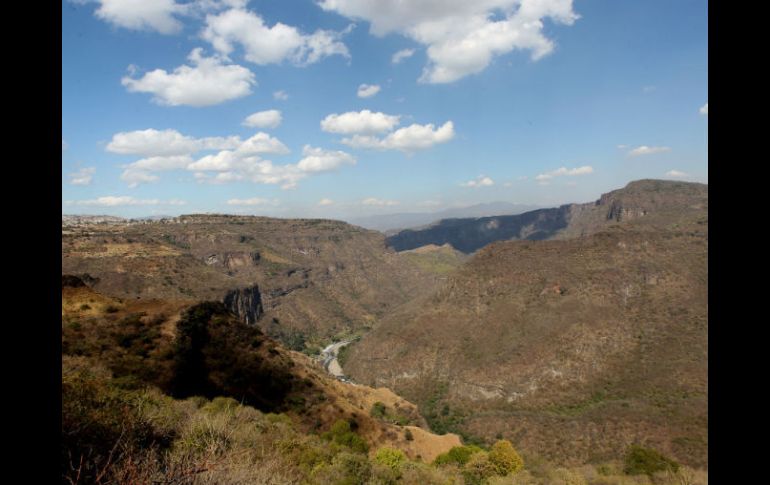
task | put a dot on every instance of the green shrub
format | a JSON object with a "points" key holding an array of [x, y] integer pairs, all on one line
{"points": [[457, 455], [646, 461], [341, 434], [390, 457], [505, 458], [408, 435], [378, 410]]}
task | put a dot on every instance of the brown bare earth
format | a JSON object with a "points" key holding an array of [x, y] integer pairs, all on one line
{"points": [[571, 348]]}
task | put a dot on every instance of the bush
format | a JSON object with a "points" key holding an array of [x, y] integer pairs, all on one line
{"points": [[458, 455], [408, 435], [478, 469], [505, 458], [640, 460], [341, 434], [390, 457], [378, 410]]}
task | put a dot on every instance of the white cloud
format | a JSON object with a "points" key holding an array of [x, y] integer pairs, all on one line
{"points": [[160, 143], [253, 201], [207, 82], [676, 174], [365, 122], [462, 37], [401, 55], [368, 90], [157, 15], [113, 201], [280, 95], [480, 181], [135, 177], [407, 139], [264, 119], [325, 202], [645, 150], [564, 171], [704, 110], [261, 143], [82, 176], [170, 150], [320, 160], [648, 89], [269, 45], [64, 145], [379, 202], [235, 166]]}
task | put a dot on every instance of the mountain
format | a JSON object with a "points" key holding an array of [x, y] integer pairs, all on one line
{"points": [[636, 199], [317, 280], [573, 348], [389, 222]]}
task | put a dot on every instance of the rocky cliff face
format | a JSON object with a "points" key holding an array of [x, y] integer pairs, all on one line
{"points": [[246, 303]]}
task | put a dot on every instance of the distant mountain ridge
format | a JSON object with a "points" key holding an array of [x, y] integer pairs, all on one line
{"points": [[637, 199], [389, 222]]}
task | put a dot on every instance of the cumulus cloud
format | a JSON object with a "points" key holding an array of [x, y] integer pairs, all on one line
{"points": [[645, 150], [368, 90], [82, 176], [320, 160], [676, 174], [364, 122], [461, 37], [401, 55], [407, 139], [480, 181], [280, 95], [564, 171], [704, 110], [114, 201], [264, 119], [154, 15], [263, 44], [63, 145], [379, 202], [170, 150], [233, 166], [159, 143], [253, 201], [207, 82], [325, 202]]}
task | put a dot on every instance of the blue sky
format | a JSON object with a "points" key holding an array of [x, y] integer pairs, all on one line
{"points": [[527, 101]]}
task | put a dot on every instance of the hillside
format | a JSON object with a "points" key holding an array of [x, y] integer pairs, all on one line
{"points": [[663, 198], [317, 279], [572, 348], [203, 350]]}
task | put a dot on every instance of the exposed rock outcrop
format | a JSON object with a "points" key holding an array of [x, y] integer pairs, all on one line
{"points": [[246, 303]]}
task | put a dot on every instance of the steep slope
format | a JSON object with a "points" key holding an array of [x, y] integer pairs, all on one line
{"points": [[203, 350], [571, 348], [637, 199], [317, 279]]}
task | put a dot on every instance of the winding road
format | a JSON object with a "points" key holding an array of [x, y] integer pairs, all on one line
{"points": [[329, 358]]}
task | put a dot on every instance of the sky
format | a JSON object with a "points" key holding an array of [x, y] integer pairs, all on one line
{"points": [[349, 108]]}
